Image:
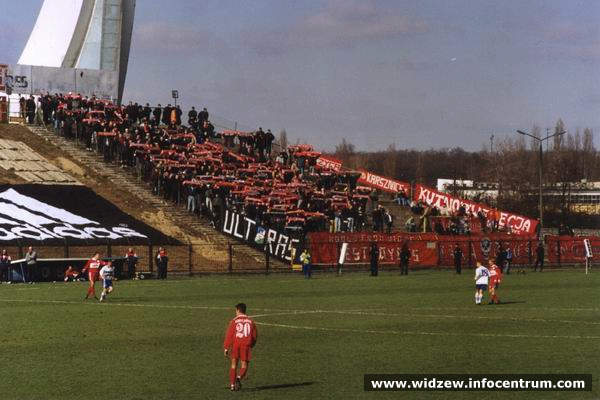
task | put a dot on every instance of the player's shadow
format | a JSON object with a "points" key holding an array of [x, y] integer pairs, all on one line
{"points": [[280, 386], [506, 303]]}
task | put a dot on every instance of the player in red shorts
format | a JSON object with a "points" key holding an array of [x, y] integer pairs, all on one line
{"points": [[495, 279], [240, 338], [93, 267]]}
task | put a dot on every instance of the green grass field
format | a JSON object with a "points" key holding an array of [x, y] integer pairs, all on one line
{"points": [[163, 340]]}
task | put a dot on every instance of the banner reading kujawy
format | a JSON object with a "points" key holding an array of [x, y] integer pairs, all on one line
{"points": [[383, 183], [47, 213], [516, 223]]}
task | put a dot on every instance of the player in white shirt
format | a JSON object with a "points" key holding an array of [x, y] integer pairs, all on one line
{"points": [[482, 275], [107, 273]]}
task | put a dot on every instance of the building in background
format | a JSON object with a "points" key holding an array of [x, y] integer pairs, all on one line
{"points": [[581, 197]]}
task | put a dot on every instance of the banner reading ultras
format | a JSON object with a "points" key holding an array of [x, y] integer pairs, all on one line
{"points": [[478, 382], [248, 231], [517, 223]]}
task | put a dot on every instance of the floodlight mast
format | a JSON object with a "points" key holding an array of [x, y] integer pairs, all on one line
{"points": [[540, 173]]}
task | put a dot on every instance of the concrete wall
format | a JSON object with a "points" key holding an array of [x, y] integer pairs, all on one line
{"points": [[27, 79]]}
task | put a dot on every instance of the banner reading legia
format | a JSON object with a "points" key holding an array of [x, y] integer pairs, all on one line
{"points": [[516, 223], [328, 162], [381, 182]]}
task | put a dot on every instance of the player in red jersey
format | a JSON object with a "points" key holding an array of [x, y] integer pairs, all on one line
{"points": [[93, 267], [495, 279], [240, 338]]}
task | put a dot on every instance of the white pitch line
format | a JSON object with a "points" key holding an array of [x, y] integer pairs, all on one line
{"points": [[278, 312], [390, 332], [185, 307], [285, 313], [436, 316], [188, 307], [513, 309]]}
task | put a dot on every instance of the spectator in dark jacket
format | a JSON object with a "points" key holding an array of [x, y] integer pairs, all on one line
{"points": [[458, 254], [539, 259], [404, 258], [162, 263], [132, 259], [269, 141], [192, 117], [5, 262], [30, 107], [166, 114], [374, 254], [203, 115], [156, 113]]}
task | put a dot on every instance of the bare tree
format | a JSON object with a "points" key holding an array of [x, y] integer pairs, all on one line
{"points": [[283, 140], [537, 132], [558, 139]]}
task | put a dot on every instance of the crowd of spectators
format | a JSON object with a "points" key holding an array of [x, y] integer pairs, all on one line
{"points": [[447, 222], [243, 172], [210, 172]]}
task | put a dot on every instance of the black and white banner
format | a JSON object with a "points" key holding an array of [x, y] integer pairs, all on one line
{"points": [[245, 229], [59, 213]]}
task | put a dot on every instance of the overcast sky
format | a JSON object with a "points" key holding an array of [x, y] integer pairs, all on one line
{"points": [[416, 73]]}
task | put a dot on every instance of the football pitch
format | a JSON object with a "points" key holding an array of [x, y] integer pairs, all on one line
{"points": [[316, 338]]}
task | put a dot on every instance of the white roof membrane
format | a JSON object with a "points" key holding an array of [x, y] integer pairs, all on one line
{"points": [[52, 33]]}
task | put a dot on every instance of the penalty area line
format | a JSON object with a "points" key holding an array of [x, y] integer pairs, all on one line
{"points": [[418, 333]]}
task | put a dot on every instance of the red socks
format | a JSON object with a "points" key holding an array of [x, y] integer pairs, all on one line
{"points": [[232, 376], [242, 372], [91, 292]]}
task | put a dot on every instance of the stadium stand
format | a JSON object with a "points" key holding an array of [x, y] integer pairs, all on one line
{"points": [[209, 172]]}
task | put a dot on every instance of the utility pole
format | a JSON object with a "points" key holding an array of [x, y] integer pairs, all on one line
{"points": [[540, 168], [492, 143]]}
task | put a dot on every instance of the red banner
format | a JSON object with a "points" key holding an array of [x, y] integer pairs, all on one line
{"points": [[427, 249], [327, 162], [381, 182], [515, 223], [570, 249], [3, 73], [324, 247], [485, 247]]}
